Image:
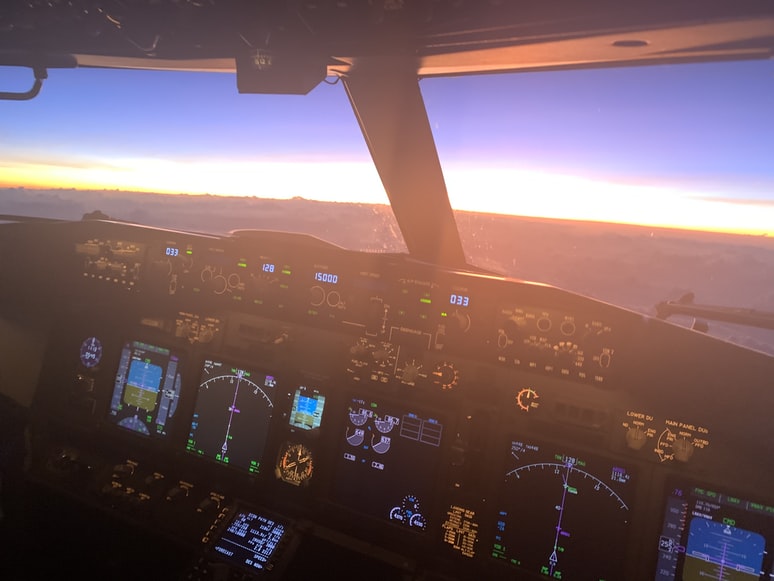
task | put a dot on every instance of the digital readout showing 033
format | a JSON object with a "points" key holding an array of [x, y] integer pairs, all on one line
{"points": [[459, 300]]}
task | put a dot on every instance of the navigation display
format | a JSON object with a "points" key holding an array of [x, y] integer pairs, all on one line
{"points": [[709, 534], [146, 389], [231, 419], [561, 513], [388, 462]]}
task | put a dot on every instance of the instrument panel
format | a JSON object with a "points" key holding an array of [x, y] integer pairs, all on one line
{"points": [[373, 410]]}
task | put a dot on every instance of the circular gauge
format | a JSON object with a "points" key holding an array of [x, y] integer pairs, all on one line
{"points": [[295, 464], [408, 513], [359, 417], [445, 376], [525, 399], [386, 424], [317, 296], [91, 352]]}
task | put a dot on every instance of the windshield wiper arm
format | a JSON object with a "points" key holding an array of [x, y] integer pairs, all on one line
{"points": [[685, 306]]}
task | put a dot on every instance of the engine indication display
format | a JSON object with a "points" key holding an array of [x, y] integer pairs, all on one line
{"points": [[561, 514], [388, 462], [233, 412], [146, 390]]}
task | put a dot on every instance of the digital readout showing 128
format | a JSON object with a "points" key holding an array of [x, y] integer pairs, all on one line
{"points": [[459, 300]]}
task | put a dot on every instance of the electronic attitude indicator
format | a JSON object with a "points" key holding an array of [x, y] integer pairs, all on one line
{"points": [[561, 515], [717, 548], [709, 534], [231, 419], [146, 389]]}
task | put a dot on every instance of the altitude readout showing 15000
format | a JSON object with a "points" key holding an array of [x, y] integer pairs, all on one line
{"points": [[459, 300], [328, 277]]}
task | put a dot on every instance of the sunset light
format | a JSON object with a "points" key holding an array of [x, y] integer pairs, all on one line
{"points": [[569, 197], [337, 181], [580, 145], [491, 190]]}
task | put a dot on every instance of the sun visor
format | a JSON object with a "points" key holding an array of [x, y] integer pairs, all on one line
{"points": [[279, 72]]}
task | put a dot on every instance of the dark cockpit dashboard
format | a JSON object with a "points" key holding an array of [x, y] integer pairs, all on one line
{"points": [[269, 406]]}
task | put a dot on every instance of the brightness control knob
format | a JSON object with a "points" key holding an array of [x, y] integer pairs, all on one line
{"points": [[683, 449], [635, 438]]}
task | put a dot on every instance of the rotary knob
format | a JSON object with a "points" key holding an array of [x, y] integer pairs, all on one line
{"points": [[683, 449], [635, 438]]}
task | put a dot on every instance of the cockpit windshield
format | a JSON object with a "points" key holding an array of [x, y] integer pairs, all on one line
{"points": [[633, 185]]}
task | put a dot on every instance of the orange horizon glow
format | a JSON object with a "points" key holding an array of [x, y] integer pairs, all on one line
{"points": [[491, 190]]}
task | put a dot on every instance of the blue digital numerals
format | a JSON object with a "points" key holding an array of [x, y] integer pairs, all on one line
{"points": [[326, 277], [459, 300]]}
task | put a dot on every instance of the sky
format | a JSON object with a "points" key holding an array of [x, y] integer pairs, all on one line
{"points": [[688, 146]]}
